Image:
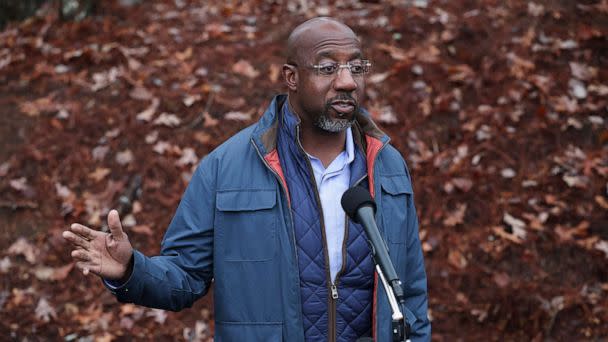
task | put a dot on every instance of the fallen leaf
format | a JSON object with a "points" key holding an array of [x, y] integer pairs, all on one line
{"points": [[576, 181], [456, 216], [243, 67], [457, 259], [501, 279], [99, 152], [46, 273], [22, 247], [191, 99], [503, 234], [99, 173], [463, 184], [238, 116], [517, 226], [140, 93], [44, 311], [124, 157], [379, 78], [602, 246], [168, 119], [582, 71], [103, 79], [210, 121], [149, 112], [160, 316], [577, 89], [274, 72], [507, 173], [188, 157], [5, 266]]}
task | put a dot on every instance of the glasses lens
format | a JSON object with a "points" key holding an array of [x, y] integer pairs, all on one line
{"points": [[327, 68]]}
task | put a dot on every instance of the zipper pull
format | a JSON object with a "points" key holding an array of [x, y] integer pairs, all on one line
{"points": [[334, 292]]}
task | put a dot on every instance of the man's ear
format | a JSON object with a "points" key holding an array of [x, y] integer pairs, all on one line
{"points": [[290, 75]]}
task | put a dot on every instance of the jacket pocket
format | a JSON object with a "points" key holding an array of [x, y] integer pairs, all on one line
{"points": [[248, 331], [396, 202], [245, 224]]}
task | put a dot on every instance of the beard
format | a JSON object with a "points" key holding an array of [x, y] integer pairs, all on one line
{"points": [[336, 125]]}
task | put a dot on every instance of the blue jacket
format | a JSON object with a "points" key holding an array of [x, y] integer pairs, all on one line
{"points": [[233, 226]]}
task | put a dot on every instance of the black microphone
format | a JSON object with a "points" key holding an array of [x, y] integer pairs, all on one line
{"points": [[361, 208]]}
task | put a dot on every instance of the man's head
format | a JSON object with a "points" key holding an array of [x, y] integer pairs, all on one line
{"points": [[323, 89]]}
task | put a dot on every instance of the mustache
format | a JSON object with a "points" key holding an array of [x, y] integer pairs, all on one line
{"points": [[344, 98]]}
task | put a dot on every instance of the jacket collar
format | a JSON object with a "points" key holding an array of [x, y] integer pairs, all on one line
{"points": [[266, 130]]}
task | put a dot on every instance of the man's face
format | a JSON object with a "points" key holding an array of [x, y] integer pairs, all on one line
{"points": [[329, 100]]}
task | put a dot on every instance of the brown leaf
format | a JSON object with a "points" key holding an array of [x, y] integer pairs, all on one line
{"points": [[149, 112], [503, 234], [456, 216], [457, 259], [51, 273], [168, 119], [209, 120], [245, 68], [22, 247], [44, 311], [463, 184], [141, 93], [274, 72], [501, 279], [99, 173]]}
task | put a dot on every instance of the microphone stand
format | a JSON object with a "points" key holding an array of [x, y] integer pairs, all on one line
{"points": [[400, 328]]}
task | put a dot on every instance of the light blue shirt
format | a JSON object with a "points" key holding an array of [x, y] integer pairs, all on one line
{"points": [[331, 184]]}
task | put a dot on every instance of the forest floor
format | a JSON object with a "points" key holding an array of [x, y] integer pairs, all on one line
{"points": [[499, 107]]}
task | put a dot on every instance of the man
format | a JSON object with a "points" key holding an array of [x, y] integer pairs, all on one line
{"points": [[261, 216]]}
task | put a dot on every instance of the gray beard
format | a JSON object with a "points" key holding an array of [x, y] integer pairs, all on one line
{"points": [[333, 125]]}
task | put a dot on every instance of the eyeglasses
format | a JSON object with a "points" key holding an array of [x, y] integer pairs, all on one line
{"points": [[356, 68]]}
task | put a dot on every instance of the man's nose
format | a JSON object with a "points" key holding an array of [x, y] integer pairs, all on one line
{"points": [[344, 80]]}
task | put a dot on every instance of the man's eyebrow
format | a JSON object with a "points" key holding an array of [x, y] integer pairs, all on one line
{"points": [[330, 54]]}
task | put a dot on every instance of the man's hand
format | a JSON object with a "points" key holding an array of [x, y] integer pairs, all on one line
{"points": [[106, 254]]}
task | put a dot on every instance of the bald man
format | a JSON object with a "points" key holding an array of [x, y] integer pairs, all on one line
{"points": [[261, 217]]}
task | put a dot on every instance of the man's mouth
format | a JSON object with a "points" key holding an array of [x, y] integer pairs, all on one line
{"points": [[343, 107]]}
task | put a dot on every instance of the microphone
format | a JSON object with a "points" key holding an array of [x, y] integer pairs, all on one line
{"points": [[361, 208]]}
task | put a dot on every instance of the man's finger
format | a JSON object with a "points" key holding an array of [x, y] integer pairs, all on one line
{"points": [[87, 267], [76, 239], [114, 225], [81, 255], [85, 231]]}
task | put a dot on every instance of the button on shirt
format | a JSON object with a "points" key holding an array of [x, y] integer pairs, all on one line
{"points": [[332, 182]]}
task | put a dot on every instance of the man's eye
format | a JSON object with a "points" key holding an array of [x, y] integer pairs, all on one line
{"points": [[356, 69], [327, 69]]}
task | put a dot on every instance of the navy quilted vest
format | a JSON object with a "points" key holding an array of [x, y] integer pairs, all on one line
{"points": [[353, 315]]}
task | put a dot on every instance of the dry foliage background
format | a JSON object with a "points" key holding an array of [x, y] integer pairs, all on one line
{"points": [[499, 107]]}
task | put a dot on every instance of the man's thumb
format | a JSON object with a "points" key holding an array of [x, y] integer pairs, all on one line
{"points": [[114, 224]]}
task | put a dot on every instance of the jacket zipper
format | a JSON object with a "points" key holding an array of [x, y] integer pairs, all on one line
{"points": [[344, 244], [331, 287], [334, 286]]}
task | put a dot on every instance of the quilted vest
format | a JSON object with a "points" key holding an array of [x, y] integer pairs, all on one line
{"points": [[350, 313]]}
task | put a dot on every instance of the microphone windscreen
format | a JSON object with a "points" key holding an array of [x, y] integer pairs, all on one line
{"points": [[354, 198]]}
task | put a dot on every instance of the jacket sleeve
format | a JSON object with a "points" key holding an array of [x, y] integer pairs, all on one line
{"points": [[183, 271], [415, 286]]}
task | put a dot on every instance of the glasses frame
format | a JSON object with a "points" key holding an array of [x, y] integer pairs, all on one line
{"points": [[366, 64]]}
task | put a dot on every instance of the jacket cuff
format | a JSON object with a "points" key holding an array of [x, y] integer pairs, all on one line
{"points": [[121, 290]]}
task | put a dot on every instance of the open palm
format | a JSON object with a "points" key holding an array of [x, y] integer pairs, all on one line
{"points": [[106, 254]]}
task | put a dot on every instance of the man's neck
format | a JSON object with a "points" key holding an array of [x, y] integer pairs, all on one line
{"points": [[325, 146]]}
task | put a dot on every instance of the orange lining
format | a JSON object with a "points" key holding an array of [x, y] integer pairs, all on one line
{"points": [[272, 159], [373, 147]]}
